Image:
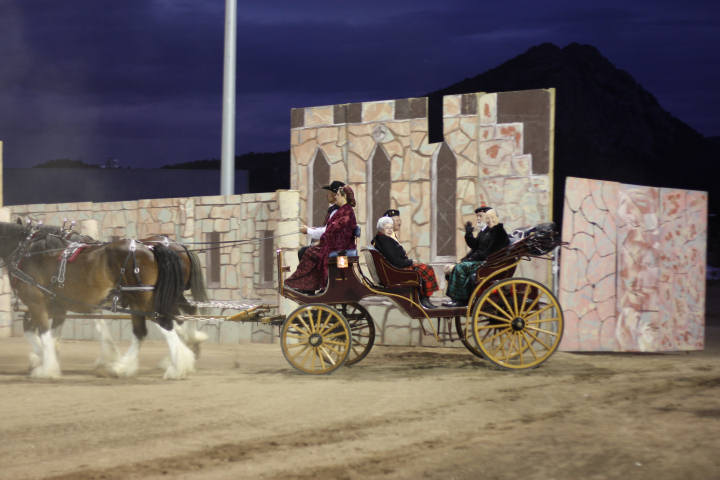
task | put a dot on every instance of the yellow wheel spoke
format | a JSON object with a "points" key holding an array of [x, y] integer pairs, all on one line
{"points": [[305, 349], [538, 312], [324, 353], [502, 345], [542, 330], [307, 328], [515, 304], [324, 325], [335, 349], [505, 301], [296, 345], [311, 321], [336, 334], [518, 342], [330, 342], [292, 335], [543, 320], [529, 344], [497, 333], [498, 307], [534, 337], [524, 310], [495, 317], [521, 308], [315, 355], [296, 328], [329, 326], [489, 327]]}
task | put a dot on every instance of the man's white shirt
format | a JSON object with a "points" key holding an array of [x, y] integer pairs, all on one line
{"points": [[316, 232]]}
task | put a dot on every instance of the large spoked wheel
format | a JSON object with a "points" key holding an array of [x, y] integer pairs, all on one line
{"points": [[362, 328], [468, 341], [517, 323], [315, 339]]}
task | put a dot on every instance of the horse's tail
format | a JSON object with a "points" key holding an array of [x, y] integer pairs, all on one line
{"points": [[169, 286], [197, 279]]}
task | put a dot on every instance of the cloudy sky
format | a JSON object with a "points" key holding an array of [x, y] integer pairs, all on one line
{"points": [[141, 80]]}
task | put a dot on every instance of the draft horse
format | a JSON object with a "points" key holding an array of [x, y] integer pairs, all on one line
{"points": [[143, 281]]}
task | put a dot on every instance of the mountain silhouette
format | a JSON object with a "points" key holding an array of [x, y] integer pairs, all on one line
{"points": [[607, 126]]}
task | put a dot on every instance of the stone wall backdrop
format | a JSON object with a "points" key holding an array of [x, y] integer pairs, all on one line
{"points": [[633, 276], [497, 150]]}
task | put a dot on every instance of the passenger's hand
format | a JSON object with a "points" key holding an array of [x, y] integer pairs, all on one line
{"points": [[468, 227], [303, 228]]}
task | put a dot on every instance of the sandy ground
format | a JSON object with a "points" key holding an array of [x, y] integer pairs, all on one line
{"points": [[427, 413]]}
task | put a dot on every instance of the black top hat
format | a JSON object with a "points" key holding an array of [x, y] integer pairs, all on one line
{"points": [[334, 186], [391, 213], [484, 208]]}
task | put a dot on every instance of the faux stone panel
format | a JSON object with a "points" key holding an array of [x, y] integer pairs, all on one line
{"points": [[532, 108], [297, 117], [468, 104], [451, 105], [377, 111], [633, 277], [318, 116], [340, 114]]}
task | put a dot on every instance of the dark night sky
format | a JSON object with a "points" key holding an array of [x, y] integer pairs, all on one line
{"points": [[141, 80]]}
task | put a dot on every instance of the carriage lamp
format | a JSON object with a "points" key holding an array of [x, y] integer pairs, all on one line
{"points": [[342, 261]]}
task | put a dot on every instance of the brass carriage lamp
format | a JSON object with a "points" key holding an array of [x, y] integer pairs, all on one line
{"points": [[342, 261]]}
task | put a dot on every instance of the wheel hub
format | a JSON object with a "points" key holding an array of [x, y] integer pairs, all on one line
{"points": [[518, 324], [315, 340]]}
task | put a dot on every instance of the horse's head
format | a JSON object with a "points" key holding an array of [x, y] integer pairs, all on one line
{"points": [[11, 235]]}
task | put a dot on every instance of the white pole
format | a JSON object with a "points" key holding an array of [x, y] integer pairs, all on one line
{"points": [[227, 173]]}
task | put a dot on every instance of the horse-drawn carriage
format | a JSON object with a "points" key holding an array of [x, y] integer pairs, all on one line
{"points": [[512, 322], [515, 323]]}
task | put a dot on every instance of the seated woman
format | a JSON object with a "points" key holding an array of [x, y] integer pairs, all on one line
{"points": [[387, 244], [312, 271], [460, 281]]}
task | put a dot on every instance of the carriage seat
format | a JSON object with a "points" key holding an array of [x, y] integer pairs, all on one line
{"points": [[385, 274], [348, 253]]}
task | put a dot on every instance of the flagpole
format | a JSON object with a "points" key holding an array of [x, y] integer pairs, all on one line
{"points": [[227, 173]]}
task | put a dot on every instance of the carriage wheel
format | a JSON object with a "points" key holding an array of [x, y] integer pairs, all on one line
{"points": [[362, 328], [315, 339], [517, 323], [470, 341]]}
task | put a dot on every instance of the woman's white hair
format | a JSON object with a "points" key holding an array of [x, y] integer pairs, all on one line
{"points": [[382, 221]]}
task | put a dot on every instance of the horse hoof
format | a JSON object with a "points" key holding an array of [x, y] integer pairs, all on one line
{"points": [[40, 372]]}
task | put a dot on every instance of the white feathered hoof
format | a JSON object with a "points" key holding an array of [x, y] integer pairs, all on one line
{"points": [[48, 366], [34, 360], [125, 367], [190, 336], [128, 364], [46, 371], [182, 359]]}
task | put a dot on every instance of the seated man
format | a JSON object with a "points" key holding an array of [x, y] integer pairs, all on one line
{"points": [[460, 281], [386, 243]]}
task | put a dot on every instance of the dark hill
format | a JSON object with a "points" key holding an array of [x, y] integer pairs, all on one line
{"points": [[607, 125]]}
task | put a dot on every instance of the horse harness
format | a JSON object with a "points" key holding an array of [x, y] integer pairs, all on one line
{"points": [[69, 254]]}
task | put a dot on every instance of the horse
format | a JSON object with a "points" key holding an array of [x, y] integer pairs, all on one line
{"points": [[147, 281]]}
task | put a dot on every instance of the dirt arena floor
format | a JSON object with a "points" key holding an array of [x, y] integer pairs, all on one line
{"points": [[409, 413]]}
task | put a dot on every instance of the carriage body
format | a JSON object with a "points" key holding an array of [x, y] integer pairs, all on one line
{"points": [[515, 323]]}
